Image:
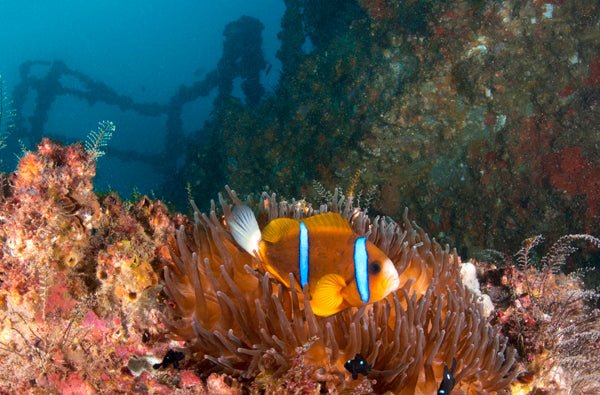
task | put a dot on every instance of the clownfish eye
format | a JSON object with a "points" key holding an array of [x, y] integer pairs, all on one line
{"points": [[374, 267]]}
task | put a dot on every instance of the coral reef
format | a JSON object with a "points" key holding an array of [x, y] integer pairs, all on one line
{"points": [[237, 319], [98, 295], [548, 317], [62, 328], [52, 207], [482, 117]]}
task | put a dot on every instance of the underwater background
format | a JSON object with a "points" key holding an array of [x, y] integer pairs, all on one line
{"points": [[482, 118], [143, 52]]}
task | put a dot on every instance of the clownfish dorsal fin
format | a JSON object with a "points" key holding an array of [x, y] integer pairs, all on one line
{"points": [[244, 228], [328, 222], [278, 229], [327, 297]]}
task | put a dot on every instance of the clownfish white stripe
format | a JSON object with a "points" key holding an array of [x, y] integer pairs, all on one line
{"points": [[361, 261], [303, 261]]}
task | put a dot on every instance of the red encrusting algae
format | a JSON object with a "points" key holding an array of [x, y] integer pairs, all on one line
{"points": [[569, 171]]}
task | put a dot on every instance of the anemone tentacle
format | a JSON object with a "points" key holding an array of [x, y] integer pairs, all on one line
{"points": [[240, 320]]}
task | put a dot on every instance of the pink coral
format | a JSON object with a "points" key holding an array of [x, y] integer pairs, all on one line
{"points": [[60, 327]]}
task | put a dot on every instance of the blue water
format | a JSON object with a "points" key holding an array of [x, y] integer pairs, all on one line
{"points": [[144, 49]]}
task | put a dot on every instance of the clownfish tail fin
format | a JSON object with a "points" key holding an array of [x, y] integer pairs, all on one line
{"points": [[244, 228]]}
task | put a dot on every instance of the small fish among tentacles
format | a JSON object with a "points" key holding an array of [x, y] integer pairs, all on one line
{"points": [[341, 268], [172, 357], [357, 365], [448, 380]]}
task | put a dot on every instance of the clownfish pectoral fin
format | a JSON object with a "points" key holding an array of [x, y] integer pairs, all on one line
{"points": [[244, 228], [327, 297]]}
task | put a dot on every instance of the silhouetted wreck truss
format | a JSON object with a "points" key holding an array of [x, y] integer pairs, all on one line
{"points": [[242, 57]]}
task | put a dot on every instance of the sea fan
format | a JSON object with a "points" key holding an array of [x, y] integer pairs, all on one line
{"points": [[99, 138]]}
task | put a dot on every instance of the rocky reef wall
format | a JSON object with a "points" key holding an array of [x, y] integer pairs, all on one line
{"points": [[481, 117]]}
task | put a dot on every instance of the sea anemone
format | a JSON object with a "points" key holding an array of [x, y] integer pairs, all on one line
{"points": [[239, 320]]}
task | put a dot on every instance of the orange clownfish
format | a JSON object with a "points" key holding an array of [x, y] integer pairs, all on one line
{"points": [[341, 268]]}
